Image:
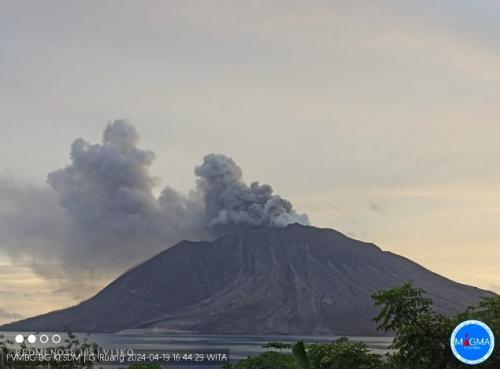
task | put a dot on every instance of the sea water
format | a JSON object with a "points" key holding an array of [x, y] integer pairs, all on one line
{"points": [[239, 347]]}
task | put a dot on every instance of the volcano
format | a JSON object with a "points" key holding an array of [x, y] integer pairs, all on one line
{"points": [[297, 280]]}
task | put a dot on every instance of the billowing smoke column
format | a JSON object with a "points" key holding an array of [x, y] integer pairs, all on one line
{"points": [[107, 187], [229, 202], [102, 216]]}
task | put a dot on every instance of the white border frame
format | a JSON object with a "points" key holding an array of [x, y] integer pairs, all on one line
{"points": [[482, 325]]}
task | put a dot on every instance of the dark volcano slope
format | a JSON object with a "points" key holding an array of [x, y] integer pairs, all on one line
{"points": [[294, 280]]}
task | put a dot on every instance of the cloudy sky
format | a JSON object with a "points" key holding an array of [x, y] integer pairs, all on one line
{"points": [[379, 119]]}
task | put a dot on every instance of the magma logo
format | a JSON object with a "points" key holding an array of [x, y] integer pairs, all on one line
{"points": [[472, 342]]}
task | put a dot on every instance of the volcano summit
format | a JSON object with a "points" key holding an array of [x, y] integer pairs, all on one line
{"points": [[292, 280]]}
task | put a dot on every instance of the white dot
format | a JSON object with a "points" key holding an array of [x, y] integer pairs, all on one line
{"points": [[31, 338], [19, 338]]}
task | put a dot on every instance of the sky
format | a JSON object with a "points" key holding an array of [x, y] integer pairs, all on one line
{"points": [[378, 119]]}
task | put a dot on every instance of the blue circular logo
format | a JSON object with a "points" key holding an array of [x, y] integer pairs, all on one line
{"points": [[472, 342]]}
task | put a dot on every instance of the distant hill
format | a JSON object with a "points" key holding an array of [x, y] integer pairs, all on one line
{"points": [[294, 280]]}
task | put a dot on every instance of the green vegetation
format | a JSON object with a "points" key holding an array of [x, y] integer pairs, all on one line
{"points": [[343, 354], [267, 360], [421, 338], [421, 341], [277, 346], [300, 354]]}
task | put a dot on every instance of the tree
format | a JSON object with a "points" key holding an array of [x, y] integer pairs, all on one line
{"points": [[277, 345], [343, 354], [267, 360], [422, 336], [488, 311], [401, 306]]}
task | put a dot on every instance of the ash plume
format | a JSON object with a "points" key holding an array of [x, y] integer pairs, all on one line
{"points": [[99, 215], [229, 202]]}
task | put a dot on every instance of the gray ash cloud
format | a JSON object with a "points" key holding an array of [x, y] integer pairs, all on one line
{"points": [[229, 202], [99, 215]]}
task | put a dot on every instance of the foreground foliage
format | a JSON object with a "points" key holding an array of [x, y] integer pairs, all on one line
{"points": [[421, 341], [267, 360], [343, 354], [421, 338]]}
